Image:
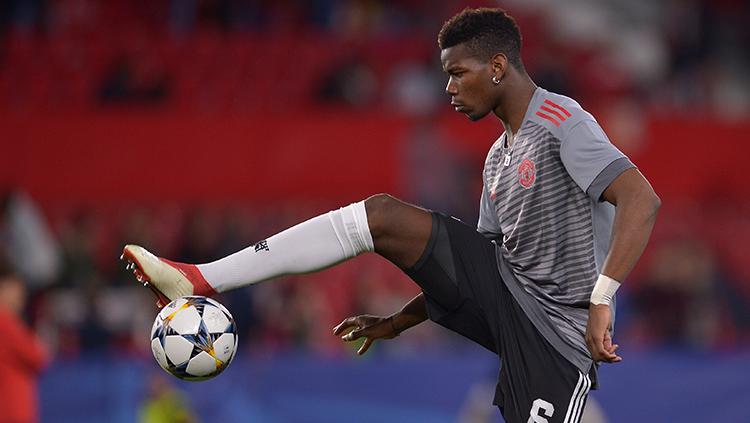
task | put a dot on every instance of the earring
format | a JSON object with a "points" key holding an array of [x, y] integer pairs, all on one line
{"points": [[495, 80]]}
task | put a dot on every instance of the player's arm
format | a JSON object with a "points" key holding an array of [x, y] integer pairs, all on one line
{"points": [[636, 206], [380, 327]]}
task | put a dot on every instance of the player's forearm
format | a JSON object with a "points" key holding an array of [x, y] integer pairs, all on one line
{"points": [[412, 314], [634, 220]]}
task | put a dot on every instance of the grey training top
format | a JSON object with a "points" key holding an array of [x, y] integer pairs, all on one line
{"points": [[542, 205]]}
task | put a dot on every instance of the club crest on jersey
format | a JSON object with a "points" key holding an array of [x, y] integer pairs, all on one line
{"points": [[526, 173]]}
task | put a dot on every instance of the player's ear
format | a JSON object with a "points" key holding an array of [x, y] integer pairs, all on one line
{"points": [[499, 64]]}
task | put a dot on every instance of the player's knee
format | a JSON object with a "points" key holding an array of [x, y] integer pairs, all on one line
{"points": [[381, 209]]}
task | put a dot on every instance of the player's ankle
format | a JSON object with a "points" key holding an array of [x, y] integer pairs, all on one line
{"points": [[201, 286]]}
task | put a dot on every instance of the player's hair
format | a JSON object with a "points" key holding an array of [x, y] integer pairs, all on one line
{"points": [[485, 32]]}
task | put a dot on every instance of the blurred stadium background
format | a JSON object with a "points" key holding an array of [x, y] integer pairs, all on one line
{"points": [[196, 127]]}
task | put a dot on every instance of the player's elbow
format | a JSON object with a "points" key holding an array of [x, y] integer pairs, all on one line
{"points": [[642, 205], [646, 200], [653, 204]]}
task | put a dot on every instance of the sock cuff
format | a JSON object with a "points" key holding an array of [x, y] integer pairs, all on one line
{"points": [[352, 229], [364, 237]]}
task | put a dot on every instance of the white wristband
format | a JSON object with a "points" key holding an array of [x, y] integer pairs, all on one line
{"points": [[604, 290]]}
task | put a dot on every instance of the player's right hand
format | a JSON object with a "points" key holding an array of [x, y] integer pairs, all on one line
{"points": [[365, 326]]}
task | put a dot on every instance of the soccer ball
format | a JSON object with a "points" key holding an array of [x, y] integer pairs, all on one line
{"points": [[194, 338]]}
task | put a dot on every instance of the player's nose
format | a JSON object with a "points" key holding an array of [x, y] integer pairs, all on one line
{"points": [[451, 88]]}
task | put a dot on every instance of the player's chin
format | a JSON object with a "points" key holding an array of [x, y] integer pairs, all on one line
{"points": [[473, 115]]}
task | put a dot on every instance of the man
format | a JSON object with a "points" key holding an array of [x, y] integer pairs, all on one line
{"points": [[23, 354], [534, 284]]}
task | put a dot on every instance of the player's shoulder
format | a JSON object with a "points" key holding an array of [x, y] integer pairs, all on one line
{"points": [[558, 113]]}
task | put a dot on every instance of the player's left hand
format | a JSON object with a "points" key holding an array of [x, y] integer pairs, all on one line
{"points": [[598, 337]]}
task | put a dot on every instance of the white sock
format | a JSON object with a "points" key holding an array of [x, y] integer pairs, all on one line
{"points": [[316, 244]]}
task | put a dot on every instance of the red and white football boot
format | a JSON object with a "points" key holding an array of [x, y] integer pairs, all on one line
{"points": [[167, 279]]}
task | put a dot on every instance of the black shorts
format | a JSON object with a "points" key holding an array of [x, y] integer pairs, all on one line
{"points": [[465, 293]]}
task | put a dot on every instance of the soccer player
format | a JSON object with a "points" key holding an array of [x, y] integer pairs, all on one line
{"points": [[564, 217]]}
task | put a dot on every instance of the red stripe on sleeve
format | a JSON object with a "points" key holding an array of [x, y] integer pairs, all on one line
{"points": [[559, 116], [557, 106], [548, 117]]}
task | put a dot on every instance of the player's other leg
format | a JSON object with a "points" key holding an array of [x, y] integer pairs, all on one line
{"points": [[396, 230]]}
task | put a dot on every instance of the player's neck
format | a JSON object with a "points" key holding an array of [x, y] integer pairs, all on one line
{"points": [[514, 103]]}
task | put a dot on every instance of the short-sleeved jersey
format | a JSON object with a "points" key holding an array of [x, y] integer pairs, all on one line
{"points": [[542, 205]]}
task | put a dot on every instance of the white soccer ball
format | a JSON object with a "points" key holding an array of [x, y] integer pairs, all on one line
{"points": [[194, 338]]}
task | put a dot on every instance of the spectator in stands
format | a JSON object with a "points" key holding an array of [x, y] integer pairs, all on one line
{"points": [[350, 83], [23, 355], [131, 81], [31, 246]]}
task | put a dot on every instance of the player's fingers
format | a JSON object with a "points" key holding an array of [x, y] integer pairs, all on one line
{"points": [[604, 352], [365, 346], [351, 336], [347, 323], [344, 325], [613, 359], [599, 351], [608, 356]]}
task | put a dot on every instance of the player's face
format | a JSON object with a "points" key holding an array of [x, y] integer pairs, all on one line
{"points": [[469, 82]]}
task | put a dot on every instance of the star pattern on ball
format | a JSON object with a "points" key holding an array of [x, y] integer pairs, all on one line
{"points": [[194, 338]]}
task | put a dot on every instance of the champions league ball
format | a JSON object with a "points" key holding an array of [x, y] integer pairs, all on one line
{"points": [[194, 338]]}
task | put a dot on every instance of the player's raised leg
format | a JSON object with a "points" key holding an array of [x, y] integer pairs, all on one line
{"points": [[396, 230]]}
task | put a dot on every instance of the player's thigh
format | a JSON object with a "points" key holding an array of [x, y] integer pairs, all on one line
{"points": [[459, 275], [467, 320], [457, 264], [473, 261]]}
